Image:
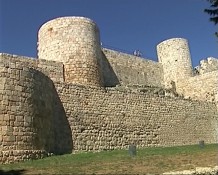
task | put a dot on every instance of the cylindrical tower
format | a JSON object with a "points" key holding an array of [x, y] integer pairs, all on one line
{"points": [[175, 57], [75, 41]]}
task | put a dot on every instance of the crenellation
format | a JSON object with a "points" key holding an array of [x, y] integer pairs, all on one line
{"points": [[208, 65], [77, 96]]}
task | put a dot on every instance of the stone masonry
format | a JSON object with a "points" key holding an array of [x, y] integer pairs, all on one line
{"points": [[76, 42], [77, 96]]}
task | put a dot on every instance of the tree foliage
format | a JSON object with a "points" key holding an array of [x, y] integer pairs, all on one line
{"points": [[213, 12]]}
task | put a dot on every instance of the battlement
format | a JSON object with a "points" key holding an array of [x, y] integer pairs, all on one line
{"points": [[77, 96], [208, 65]]}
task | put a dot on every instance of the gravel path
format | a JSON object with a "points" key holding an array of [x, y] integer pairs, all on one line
{"points": [[197, 171]]}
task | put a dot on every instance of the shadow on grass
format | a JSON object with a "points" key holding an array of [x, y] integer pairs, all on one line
{"points": [[12, 172]]}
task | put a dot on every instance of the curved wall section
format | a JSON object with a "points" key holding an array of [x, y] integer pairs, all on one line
{"points": [[26, 111], [175, 57], [75, 42]]}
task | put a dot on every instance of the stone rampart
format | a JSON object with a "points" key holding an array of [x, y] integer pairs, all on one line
{"points": [[124, 69], [41, 117], [113, 118], [80, 97], [54, 70], [32, 118], [202, 87], [208, 65]]}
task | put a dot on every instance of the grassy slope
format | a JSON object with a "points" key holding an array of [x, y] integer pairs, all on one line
{"points": [[148, 160]]}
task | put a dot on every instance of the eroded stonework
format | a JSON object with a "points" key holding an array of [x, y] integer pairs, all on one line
{"points": [[78, 96]]}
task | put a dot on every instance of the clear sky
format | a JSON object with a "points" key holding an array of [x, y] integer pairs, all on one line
{"points": [[124, 24]]}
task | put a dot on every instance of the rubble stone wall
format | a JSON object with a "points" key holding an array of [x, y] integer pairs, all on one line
{"points": [[174, 55], [80, 97], [75, 41], [41, 114], [32, 118], [54, 70], [113, 118], [202, 87], [25, 112], [208, 65], [124, 69]]}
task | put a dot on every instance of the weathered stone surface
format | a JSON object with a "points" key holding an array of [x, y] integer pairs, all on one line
{"points": [[30, 109], [75, 41], [90, 99], [120, 68], [175, 57]]}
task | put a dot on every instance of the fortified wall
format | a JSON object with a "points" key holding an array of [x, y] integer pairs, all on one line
{"points": [[77, 96]]}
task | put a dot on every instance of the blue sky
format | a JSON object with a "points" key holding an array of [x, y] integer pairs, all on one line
{"points": [[124, 24]]}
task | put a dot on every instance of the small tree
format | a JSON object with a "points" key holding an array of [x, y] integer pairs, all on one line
{"points": [[213, 11]]}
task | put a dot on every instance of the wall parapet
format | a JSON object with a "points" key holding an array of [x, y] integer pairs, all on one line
{"points": [[208, 65], [31, 114], [130, 69], [52, 69], [203, 87]]}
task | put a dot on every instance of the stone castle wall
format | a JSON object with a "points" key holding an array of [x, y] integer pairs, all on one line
{"points": [[76, 43], [113, 118], [32, 118], [202, 87], [40, 116], [125, 69], [80, 97], [204, 84], [208, 65], [174, 55]]}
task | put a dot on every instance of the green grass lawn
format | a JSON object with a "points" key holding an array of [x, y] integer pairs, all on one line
{"points": [[147, 160]]}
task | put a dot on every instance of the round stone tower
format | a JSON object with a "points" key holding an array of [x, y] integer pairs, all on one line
{"points": [[75, 41], [175, 57]]}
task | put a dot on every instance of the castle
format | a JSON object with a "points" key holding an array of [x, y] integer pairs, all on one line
{"points": [[77, 96]]}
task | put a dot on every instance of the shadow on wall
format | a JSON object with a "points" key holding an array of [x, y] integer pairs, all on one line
{"points": [[53, 132], [12, 172], [63, 142], [108, 74]]}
